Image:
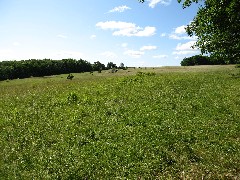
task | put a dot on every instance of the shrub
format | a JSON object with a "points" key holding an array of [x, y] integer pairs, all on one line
{"points": [[72, 97], [70, 76]]}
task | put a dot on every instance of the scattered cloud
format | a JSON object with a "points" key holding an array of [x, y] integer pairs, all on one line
{"points": [[93, 36], [109, 54], [153, 3], [144, 48], [119, 9], [179, 33], [126, 29], [176, 37], [134, 54], [163, 56], [180, 30], [185, 48], [177, 57], [163, 35], [139, 53]]}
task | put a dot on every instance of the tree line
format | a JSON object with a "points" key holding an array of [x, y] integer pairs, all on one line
{"points": [[47, 67], [206, 60]]}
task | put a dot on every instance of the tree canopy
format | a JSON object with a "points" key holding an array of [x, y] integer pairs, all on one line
{"points": [[201, 60], [216, 26], [46, 67]]}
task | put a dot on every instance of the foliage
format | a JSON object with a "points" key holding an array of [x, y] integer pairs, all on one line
{"points": [[201, 60], [111, 65], [216, 26], [187, 3], [121, 66], [97, 66], [38, 68], [167, 125]]}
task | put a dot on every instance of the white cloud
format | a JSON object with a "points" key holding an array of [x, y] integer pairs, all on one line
{"points": [[185, 46], [179, 33], [62, 36], [177, 37], [144, 48], [163, 56], [153, 3], [134, 54], [124, 45], [93, 36], [163, 34], [177, 57], [148, 31], [119, 9], [109, 54], [184, 49], [126, 29], [180, 30]]}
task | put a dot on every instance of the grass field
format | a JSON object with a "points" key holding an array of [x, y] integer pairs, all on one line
{"points": [[153, 123]]}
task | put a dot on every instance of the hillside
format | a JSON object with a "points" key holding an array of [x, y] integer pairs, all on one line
{"points": [[153, 123]]}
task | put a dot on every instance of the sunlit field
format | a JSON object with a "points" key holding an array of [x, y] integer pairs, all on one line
{"points": [[142, 123]]}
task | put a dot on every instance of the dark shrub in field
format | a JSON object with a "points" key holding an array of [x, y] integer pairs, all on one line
{"points": [[72, 97], [70, 76]]}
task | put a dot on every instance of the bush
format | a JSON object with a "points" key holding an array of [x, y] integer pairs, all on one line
{"points": [[70, 76], [72, 97]]}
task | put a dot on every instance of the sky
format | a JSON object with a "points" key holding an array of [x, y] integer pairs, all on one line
{"points": [[149, 34]]}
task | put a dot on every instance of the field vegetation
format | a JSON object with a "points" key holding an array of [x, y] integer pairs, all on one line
{"points": [[143, 123]]}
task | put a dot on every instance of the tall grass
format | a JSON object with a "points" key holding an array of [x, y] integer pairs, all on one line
{"points": [[146, 126]]}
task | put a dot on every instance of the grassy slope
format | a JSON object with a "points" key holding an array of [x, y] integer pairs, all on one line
{"points": [[181, 123]]}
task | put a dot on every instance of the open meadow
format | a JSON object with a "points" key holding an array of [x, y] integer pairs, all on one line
{"points": [[143, 123]]}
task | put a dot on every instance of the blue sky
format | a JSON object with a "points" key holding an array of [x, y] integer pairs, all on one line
{"points": [[146, 35]]}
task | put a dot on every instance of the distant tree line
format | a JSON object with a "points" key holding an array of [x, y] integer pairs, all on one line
{"points": [[47, 67], [205, 60]]}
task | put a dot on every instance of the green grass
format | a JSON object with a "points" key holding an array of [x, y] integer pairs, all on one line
{"points": [[176, 122]]}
